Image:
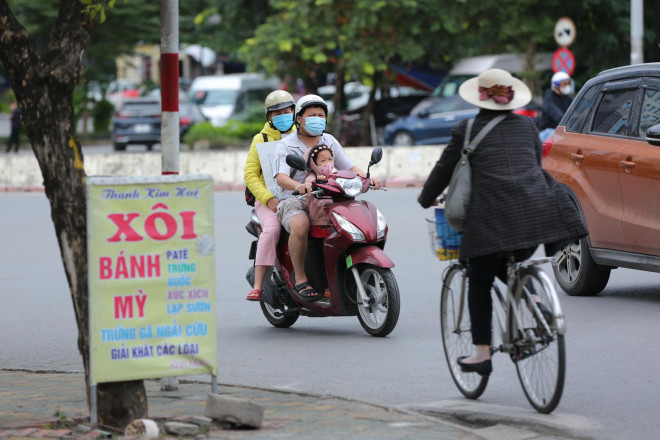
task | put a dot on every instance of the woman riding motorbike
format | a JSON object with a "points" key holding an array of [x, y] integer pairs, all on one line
{"points": [[279, 106]]}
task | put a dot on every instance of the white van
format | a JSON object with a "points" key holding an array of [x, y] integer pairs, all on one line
{"points": [[470, 67], [222, 97]]}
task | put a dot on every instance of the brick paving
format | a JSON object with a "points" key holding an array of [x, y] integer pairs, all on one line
{"points": [[32, 404]]}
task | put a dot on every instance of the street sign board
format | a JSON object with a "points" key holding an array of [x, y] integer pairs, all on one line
{"points": [[565, 32], [563, 59], [151, 277]]}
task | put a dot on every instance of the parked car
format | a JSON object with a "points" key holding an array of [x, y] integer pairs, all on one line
{"points": [[121, 89], [220, 97], [138, 122], [605, 153], [467, 68], [430, 122]]}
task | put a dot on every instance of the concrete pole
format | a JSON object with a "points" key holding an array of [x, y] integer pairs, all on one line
{"points": [[169, 85], [636, 31]]}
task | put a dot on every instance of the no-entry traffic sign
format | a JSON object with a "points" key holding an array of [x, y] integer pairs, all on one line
{"points": [[563, 59]]}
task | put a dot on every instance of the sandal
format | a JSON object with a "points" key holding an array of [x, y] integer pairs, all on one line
{"points": [[254, 295], [306, 291]]}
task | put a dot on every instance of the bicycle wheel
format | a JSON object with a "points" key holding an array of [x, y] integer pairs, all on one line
{"points": [[456, 331], [540, 355]]}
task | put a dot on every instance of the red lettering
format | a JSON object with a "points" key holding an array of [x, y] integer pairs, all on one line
{"points": [[137, 266], [105, 268], [123, 307], [140, 300], [123, 223], [121, 271], [153, 266], [188, 225], [167, 219]]}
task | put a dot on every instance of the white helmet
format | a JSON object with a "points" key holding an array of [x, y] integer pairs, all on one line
{"points": [[559, 77], [310, 100]]}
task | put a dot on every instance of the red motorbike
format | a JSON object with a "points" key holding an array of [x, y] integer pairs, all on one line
{"points": [[347, 258]]}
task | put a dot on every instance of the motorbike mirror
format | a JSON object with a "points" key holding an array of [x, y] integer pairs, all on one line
{"points": [[295, 161], [376, 156]]}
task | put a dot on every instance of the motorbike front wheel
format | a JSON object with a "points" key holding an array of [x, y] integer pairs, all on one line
{"points": [[381, 314]]}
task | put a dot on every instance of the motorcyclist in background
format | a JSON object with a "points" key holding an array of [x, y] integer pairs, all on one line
{"points": [[556, 101]]}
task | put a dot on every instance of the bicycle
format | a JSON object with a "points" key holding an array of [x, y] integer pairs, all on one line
{"points": [[533, 340]]}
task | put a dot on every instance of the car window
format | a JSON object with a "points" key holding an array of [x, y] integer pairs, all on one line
{"points": [[613, 112], [650, 115], [214, 97], [447, 105], [577, 117], [450, 84], [144, 108]]}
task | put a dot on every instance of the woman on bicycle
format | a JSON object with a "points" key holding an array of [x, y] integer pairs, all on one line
{"points": [[514, 204]]}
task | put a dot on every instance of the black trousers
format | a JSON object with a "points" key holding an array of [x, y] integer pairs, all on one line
{"points": [[481, 274], [13, 140]]}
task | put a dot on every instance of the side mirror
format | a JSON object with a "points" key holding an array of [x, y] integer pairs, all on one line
{"points": [[295, 161], [653, 135], [376, 156], [423, 114]]}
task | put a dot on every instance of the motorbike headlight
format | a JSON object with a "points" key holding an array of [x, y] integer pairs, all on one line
{"points": [[382, 224], [349, 227], [352, 187]]}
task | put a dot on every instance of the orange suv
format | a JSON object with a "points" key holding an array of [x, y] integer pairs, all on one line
{"points": [[606, 152]]}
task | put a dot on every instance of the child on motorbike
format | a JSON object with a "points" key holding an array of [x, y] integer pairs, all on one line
{"points": [[320, 161]]}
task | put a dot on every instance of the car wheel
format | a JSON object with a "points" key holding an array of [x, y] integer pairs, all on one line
{"points": [[577, 273], [403, 138], [119, 147]]}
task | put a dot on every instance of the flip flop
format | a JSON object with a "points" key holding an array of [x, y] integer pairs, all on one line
{"points": [[254, 295], [306, 292]]}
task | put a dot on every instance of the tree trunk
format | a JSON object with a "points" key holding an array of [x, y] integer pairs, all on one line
{"points": [[43, 83], [532, 77], [338, 101], [365, 126]]}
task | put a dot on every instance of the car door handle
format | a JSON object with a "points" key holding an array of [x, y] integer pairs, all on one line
{"points": [[627, 164], [577, 157]]}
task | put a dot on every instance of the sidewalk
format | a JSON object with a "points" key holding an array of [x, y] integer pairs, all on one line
{"points": [[30, 401]]}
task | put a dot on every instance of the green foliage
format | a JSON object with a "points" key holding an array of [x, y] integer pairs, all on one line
{"points": [[102, 115], [60, 415], [233, 134]]}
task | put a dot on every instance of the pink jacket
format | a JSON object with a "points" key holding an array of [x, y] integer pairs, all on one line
{"points": [[317, 215]]}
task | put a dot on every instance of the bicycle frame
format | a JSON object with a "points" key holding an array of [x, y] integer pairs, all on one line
{"points": [[508, 304]]}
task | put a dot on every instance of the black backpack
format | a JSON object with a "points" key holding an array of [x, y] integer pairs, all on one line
{"points": [[249, 197]]}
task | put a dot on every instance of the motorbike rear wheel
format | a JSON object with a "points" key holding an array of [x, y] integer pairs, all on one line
{"points": [[381, 315], [276, 317]]}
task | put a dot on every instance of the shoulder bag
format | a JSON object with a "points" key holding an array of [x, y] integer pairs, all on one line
{"points": [[460, 185]]}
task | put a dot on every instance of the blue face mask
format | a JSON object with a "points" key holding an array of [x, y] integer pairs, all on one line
{"points": [[283, 122], [314, 125]]}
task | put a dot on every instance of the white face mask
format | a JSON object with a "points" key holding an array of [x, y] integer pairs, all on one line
{"points": [[566, 90]]}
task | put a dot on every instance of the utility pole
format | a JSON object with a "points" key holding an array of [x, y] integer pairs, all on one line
{"points": [[169, 101], [169, 85], [636, 31]]}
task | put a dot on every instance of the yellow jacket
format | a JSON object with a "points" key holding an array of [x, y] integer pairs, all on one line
{"points": [[253, 176]]}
